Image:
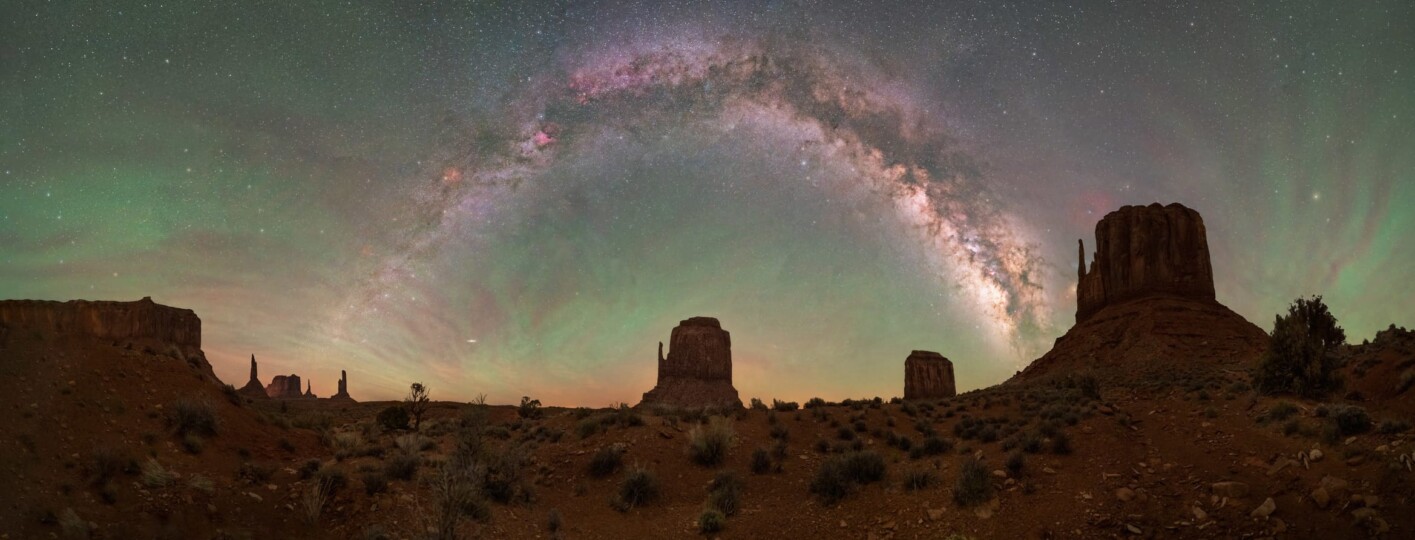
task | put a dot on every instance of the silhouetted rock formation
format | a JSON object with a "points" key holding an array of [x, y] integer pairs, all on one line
{"points": [[309, 390], [1145, 251], [698, 369], [1146, 307], [253, 389], [343, 387], [928, 375], [164, 330], [284, 387]]}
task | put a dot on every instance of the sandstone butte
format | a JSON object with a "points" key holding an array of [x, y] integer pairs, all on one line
{"points": [[698, 369], [928, 375], [1147, 301]]}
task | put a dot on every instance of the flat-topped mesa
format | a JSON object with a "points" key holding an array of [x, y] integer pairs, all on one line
{"points": [[1145, 251], [928, 375], [284, 387], [698, 369], [143, 319], [159, 329], [253, 389]]}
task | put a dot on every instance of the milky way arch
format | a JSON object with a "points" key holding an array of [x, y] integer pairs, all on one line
{"points": [[936, 187]]}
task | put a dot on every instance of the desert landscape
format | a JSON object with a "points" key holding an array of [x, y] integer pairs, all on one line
{"points": [[1160, 414]]}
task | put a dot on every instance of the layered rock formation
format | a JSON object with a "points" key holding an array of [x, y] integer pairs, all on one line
{"points": [[928, 375], [163, 330], [1145, 251], [284, 387], [698, 369], [1146, 307], [343, 387], [253, 388]]}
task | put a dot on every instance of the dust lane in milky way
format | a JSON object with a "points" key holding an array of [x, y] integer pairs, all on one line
{"points": [[524, 198]]}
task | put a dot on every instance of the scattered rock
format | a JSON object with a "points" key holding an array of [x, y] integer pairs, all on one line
{"points": [[1125, 494], [1321, 498], [1200, 514], [1264, 510], [1233, 490], [1315, 455]]}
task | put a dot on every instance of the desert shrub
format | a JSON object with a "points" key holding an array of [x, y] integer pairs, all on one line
{"points": [[554, 522], [154, 475], [784, 406], [711, 521], [375, 482], [393, 418], [1030, 442], [1061, 443], [254, 473], [413, 443], [402, 466], [1016, 461], [529, 408], [822, 446], [845, 434], [639, 487], [201, 483], [1301, 357], [1280, 411], [231, 395], [864, 467], [815, 402], [417, 402], [504, 480], [1351, 419], [1291, 427], [724, 492], [72, 525], [588, 427], [347, 445], [606, 461], [453, 495], [758, 405], [972, 486], [919, 479], [108, 462], [931, 446], [311, 466], [194, 417], [1392, 427], [332, 476], [708, 444], [831, 483], [1407, 379], [761, 461], [314, 499], [780, 432]]}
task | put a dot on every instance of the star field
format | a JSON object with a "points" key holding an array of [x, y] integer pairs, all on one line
{"points": [[523, 198]]}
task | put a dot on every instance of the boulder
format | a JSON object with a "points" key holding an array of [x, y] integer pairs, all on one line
{"points": [[697, 372], [1232, 490], [928, 375], [1145, 251]]}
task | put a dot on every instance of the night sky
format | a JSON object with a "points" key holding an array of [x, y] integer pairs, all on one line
{"points": [[523, 198]]}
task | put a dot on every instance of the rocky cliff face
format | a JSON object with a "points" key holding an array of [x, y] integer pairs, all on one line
{"points": [[1145, 251], [698, 369], [928, 375], [143, 319], [162, 329]]}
